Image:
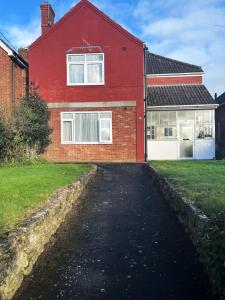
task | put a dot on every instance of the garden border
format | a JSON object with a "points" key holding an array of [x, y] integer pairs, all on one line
{"points": [[20, 248], [199, 227]]}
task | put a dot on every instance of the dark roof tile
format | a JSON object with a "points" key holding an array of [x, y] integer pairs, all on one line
{"points": [[157, 64], [178, 95]]}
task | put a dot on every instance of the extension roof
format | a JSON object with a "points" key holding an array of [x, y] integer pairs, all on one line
{"points": [[157, 64], [178, 95]]}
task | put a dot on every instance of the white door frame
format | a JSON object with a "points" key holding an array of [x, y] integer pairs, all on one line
{"points": [[191, 122]]}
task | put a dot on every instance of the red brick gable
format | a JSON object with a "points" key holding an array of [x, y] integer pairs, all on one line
{"points": [[87, 4]]}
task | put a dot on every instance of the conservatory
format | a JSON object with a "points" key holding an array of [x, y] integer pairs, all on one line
{"points": [[180, 134]]}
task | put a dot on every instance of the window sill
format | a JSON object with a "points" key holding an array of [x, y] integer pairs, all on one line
{"points": [[102, 143], [85, 84]]}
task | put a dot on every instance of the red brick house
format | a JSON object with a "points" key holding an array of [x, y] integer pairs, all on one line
{"points": [[13, 76], [90, 70]]}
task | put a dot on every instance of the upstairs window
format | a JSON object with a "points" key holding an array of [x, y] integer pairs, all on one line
{"points": [[85, 69]]}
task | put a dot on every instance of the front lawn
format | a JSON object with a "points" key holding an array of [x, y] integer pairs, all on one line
{"points": [[201, 181], [25, 187]]}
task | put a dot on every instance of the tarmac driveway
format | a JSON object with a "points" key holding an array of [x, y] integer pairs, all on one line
{"points": [[124, 242]]}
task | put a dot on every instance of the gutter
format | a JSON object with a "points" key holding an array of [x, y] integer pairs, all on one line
{"points": [[13, 86], [183, 107], [145, 100]]}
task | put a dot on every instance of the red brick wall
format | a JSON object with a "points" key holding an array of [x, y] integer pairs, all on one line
{"points": [[6, 94], [174, 80], [123, 147], [20, 82], [5, 81]]}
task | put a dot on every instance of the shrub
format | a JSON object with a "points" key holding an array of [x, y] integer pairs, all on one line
{"points": [[3, 139], [31, 122], [25, 133]]}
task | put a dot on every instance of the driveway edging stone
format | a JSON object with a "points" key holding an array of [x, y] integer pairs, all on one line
{"points": [[199, 227], [21, 247]]}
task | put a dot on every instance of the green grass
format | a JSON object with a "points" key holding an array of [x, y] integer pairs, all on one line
{"points": [[201, 181], [23, 188]]}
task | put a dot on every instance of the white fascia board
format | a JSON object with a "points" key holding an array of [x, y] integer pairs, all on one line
{"points": [[6, 48], [192, 74], [183, 107]]}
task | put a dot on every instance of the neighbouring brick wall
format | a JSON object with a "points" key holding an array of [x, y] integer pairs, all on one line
{"points": [[6, 93], [20, 82], [122, 149], [5, 81]]}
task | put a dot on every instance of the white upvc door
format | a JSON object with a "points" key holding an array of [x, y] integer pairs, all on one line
{"points": [[186, 139]]}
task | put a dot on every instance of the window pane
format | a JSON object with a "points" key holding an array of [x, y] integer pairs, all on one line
{"points": [[151, 132], [105, 115], [76, 73], [172, 118], [72, 58], [67, 131], [154, 118], [67, 116], [105, 131], [164, 117], [86, 128], [94, 57], [186, 115], [94, 73], [168, 131]]}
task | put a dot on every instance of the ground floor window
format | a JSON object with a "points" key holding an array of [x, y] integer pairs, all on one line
{"points": [[86, 127], [163, 125]]}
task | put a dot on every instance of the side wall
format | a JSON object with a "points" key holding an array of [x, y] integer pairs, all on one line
{"points": [[220, 131], [11, 90], [5, 81], [123, 147]]}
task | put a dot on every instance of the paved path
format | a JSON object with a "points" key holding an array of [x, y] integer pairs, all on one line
{"points": [[125, 244]]}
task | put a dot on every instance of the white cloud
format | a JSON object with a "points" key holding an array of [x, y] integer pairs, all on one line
{"points": [[22, 35], [186, 31]]}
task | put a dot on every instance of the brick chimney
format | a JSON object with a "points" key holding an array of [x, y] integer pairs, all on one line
{"points": [[47, 17]]}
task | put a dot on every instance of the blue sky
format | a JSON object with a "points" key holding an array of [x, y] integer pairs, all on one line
{"points": [[180, 29]]}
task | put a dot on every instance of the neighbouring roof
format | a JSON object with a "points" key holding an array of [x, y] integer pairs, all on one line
{"points": [[221, 98], [157, 64], [13, 54], [177, 95]]}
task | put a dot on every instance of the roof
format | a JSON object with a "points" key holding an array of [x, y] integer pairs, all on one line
{"points": [[221, 98], [13, 54], [75, 9], [177, 95], [157, 64]]}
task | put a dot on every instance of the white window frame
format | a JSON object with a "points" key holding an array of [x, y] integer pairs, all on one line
{"points": [[100, 130], [85, 63], [73, 128], [66, 120]]}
